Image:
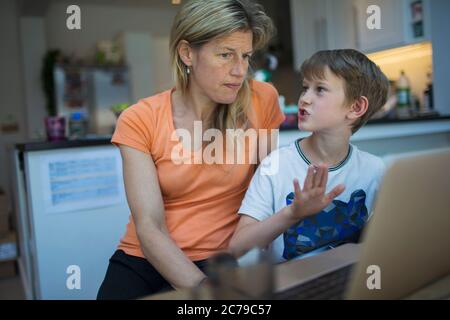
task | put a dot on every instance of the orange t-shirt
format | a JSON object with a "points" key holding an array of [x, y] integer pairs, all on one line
{"points": [[200, 200]]}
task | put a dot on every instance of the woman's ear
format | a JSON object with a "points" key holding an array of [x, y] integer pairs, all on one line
{"points": [[185, 52], [358, 108]]}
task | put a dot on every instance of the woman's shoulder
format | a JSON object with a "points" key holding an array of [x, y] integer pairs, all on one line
{"points": [[138, 123], [263, 89], [150, 105], [265, 105]]}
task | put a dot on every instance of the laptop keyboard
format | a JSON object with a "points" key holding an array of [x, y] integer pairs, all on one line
{"points": [[330, 286]]}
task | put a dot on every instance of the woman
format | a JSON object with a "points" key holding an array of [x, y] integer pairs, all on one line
{"points": [[182, 214]]}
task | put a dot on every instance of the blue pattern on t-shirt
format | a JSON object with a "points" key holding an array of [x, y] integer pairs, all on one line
{"points": [[338, 222]]}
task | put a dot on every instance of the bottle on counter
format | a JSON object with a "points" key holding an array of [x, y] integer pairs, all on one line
{"points": [[77, 125], [428, 95], [403, 96]]}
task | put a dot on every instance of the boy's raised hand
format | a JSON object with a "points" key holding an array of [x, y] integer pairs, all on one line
{"points": [[312, 199]]}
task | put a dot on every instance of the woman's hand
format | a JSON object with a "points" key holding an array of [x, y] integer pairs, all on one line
{"points": [[312, 198]]}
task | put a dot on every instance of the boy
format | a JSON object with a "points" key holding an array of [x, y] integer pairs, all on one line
{"points": [[341, 90]]}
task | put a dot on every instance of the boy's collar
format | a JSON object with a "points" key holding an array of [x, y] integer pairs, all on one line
{"points": [[338, 166]]}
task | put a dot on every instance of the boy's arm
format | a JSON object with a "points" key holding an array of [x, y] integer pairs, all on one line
{"points": [[308, 201], [251, 232]]}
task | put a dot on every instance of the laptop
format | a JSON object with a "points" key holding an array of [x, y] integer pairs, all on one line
{"points": [[404, 247]]}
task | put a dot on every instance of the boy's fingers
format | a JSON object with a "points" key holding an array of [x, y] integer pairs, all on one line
{"points": [[335, 192], [323, 176], [297, 189], [324, 181], [309, 178], [317, 176]]}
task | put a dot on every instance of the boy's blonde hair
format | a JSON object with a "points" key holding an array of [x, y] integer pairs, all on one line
{"points": [[200, 21], [362, 77]]}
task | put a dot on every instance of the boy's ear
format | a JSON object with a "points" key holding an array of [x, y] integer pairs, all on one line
{"points": [[358, 108], [185, 52]]}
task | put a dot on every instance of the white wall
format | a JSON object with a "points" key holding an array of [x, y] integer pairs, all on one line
{"points": [[103, 22], [440, 24], [27, 38], [24, 41], [34, 45], [161, 63], [107, 21], [11, 84]]}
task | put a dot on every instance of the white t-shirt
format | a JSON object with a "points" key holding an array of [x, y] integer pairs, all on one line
{"points": [[271, 189]]}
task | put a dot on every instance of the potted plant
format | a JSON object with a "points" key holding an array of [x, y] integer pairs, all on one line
{"points": [[55, 125], [118, 108]]}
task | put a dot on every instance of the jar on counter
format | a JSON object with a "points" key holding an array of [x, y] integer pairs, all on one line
{"points": [[78, 125]]}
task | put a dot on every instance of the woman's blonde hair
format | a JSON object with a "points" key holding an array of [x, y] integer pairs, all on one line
{"points": [[200, 21]]}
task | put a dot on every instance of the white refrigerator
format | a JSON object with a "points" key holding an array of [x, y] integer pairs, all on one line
{"points": [[71, 212]]}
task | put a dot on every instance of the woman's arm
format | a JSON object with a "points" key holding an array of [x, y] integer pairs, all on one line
{"points": [[146, 204]]}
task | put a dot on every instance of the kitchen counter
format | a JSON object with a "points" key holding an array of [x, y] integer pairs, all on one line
{"points": [[429, 117], [386, 129], [375, 130], [47, 145]]}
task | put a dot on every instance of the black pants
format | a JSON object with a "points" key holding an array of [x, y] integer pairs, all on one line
{"points": [[130, 277]]}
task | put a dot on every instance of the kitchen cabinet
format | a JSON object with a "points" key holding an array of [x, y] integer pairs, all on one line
{"points": [[321, 25], [396, 23], [337, 24]]}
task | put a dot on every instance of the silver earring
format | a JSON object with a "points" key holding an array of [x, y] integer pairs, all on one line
{"points": [[188, 71]]}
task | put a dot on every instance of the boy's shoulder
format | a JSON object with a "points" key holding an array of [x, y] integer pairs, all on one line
{"points": [[284, 153], [280, 161], [369, 160]]}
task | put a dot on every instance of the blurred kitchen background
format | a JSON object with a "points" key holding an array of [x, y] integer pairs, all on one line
{"points": [[61, 91]]}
